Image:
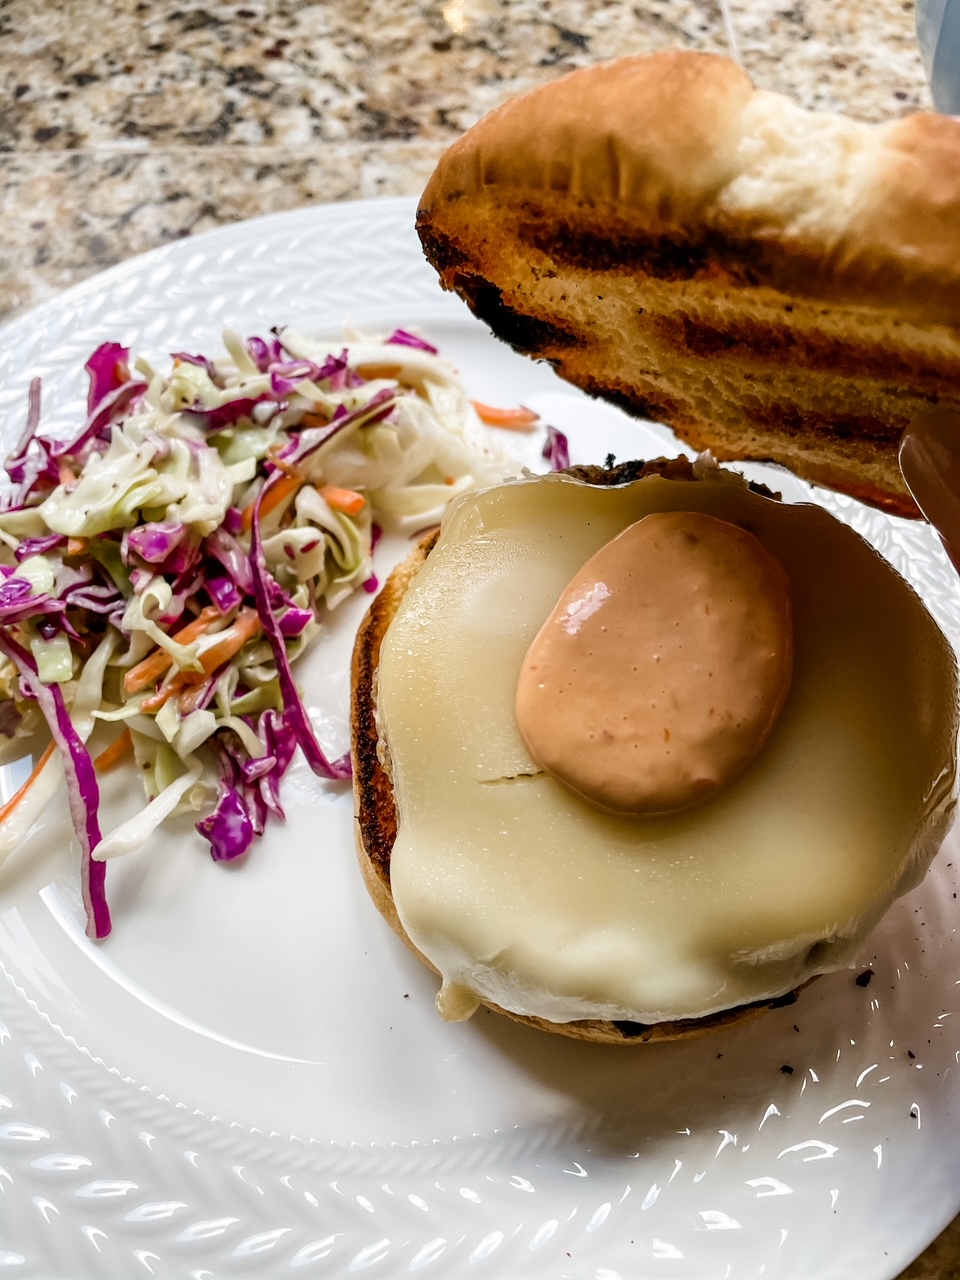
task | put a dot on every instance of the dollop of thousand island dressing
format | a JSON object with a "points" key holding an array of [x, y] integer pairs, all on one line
{"points": [[663, 668]]}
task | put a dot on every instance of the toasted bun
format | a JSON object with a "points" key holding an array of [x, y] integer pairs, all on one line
{"points": [[773, 284], [376, 815]]}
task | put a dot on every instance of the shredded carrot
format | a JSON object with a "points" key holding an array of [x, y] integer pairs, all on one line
{"points": [[65, 474], [78, 546], [191, 696], [111, 756], [148, 671], [156, 663], [229, 641], [174, 686], [18, 795], [346, 500], [278, 493], [371, 371], [315, 420], [287, 468], [512, 419]]}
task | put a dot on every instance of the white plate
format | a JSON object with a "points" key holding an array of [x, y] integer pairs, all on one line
{"points": [[248, 1077]]}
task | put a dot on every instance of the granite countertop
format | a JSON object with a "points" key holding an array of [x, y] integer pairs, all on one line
{"points": [[130, 123], [127, 124]]}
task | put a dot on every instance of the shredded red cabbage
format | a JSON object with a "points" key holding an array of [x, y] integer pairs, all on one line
{"points": [[404, 338], [234, 411], [377, 408], [293, 621], [223, 593], [109, 369], [224, 547], [248, 788], [202, 362], [39, 546], [285, 377], [334, 370], [100, 417], [274, 732], [228, 826], [31, 462], [83, 793], [98, 599], [264, 354], [154, 542], [18, 603], [294, 711], [556, 450], [181, 560]]}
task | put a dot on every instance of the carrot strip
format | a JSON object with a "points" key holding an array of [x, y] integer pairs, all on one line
{"points": [[278, 493], [190, 697], [111, 756], [346, 500], [230, 641], [286, 468], [173, 687], [78, 546], [371, 371], [315, 420], [156, 663], [18, 795], [512, 419]]}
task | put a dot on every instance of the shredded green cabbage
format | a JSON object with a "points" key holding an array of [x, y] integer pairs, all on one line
{"points": [[127, 571]]}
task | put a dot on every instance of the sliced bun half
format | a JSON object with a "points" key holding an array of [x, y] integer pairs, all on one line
{"points": [[376, 814], [772, 283]]}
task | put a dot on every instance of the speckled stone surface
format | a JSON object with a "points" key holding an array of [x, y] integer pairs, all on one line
{"points": [[129, 123], [126, 124]]}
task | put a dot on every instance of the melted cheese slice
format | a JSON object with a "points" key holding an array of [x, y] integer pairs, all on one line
{"points": [[521, 894]]}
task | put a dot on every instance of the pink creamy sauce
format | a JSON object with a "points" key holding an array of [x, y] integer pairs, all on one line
{"points": [[663, 668]]}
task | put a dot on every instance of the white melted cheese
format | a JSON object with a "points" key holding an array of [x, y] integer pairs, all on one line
{"points": [[521, 894]]}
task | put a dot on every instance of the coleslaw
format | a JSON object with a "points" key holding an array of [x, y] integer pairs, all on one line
{"points": [[162, 571]]}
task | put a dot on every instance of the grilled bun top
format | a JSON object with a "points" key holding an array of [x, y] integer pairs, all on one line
{"points": [[771, 282]]}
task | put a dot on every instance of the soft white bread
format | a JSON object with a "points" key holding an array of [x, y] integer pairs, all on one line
{"points": [[772, 283]]}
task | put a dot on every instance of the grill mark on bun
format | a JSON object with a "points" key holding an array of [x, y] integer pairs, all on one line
{"points": [[663, 185], [655, 408], [807, 349], [665, 258], [444, 252], [526, 333], [376, 810], [849, 427]]}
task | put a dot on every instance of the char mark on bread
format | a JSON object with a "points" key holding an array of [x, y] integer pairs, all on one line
{"points": [[774, 284], [373, 790], [530, 334]]}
